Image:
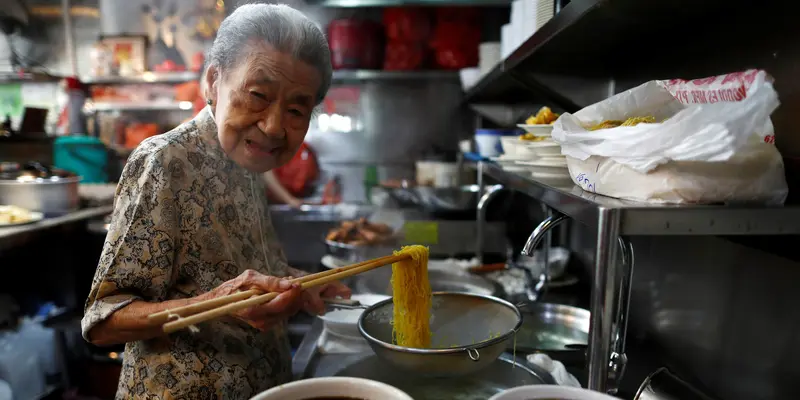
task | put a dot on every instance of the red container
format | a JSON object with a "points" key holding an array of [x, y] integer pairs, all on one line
{"points": [[407, 24], [355, 44]]}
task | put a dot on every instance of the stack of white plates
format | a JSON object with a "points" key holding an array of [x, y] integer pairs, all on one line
{"points": [[541, 159], [545, 9]]}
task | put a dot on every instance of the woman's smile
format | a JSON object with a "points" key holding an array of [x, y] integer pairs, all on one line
{"points": [[257, 149]]}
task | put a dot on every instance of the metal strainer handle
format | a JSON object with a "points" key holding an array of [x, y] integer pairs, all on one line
{"points": [[473, 354]]}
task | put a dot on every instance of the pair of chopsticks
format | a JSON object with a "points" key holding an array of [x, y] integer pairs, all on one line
{"points": [[193, 314]]}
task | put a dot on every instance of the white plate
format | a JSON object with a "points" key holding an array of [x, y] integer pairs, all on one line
{"points": [[546, 162], [542, 144], [505, 160], [345, 322], [537, 392], [516, 168], [35, 217], [544, 148], [536, 167], [538, 129]]}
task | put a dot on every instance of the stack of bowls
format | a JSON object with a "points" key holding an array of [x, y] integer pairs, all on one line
{"points": [[535, 154]]}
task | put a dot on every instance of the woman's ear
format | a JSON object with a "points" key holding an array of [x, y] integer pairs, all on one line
{"points": [[209, 83]]}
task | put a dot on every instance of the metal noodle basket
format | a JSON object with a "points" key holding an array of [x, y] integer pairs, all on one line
{"points": [[469, 332]]}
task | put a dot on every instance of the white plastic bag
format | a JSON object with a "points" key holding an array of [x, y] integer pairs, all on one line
{"points": [[715, 144]]}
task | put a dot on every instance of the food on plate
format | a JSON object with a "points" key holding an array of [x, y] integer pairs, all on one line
{"points": [[412, 299], [14, 215], [531, 137], [360, 232], [545, 116], [632, 121]]}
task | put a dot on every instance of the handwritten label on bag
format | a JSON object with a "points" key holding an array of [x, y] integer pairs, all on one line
{"points": [[585, 182], [421, 232]]}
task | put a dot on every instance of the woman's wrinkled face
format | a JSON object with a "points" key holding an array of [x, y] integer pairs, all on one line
{"points": [[263, 107]]}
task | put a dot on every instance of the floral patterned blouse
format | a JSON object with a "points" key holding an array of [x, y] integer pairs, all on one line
{"points": [[185, 221]]}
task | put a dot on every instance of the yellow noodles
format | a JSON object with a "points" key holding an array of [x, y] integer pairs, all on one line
{"points": [[412, 299], [632, 121]]}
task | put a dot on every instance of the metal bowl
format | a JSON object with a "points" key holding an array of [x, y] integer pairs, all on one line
{"points": [[358, 253], [553, 328], [442, 279], [433, 199], [468, 331]]}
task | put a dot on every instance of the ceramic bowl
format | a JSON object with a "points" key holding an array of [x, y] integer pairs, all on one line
{"points": [[356, 388]]}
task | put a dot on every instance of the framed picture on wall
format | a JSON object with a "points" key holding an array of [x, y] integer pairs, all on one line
{"points": [[126, 54]]}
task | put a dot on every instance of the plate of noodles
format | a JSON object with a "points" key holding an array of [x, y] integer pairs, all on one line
{"points": [[13, 216]]}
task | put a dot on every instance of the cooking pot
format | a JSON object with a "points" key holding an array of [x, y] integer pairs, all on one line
{"points": [[39, 188]]}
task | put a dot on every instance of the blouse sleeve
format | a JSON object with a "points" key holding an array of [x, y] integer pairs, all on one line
{"points": [[138, 254]]}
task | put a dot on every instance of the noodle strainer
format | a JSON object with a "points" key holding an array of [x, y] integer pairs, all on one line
{"points": [[469, 332]]}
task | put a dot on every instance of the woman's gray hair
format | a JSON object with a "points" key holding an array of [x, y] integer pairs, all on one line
{"points": [[281, 26]]}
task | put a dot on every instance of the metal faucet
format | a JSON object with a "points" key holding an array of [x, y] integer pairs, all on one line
{"points": [[536, 288], [617, 360], [488, 194]]}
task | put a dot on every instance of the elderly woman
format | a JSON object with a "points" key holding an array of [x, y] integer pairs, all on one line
{"points": [[190, 221]]}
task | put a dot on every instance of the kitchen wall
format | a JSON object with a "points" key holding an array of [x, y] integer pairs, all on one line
{"points": [[394, 122]]}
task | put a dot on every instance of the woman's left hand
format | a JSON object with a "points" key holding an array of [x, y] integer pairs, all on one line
{"points": [[312, 297]]}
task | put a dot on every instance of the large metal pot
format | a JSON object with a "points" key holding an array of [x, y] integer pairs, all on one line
{"points": [[38, 188]]}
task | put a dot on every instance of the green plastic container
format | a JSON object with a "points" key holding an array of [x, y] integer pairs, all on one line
{"points": [[84, 155]]}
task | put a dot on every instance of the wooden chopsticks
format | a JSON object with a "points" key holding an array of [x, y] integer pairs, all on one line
{"points": [[214, 308]]}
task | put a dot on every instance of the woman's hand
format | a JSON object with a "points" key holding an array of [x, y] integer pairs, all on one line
{"points": [[294, 202], [264, 316], [312, 297]]}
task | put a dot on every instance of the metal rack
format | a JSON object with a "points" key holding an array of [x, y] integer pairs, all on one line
{"points": [[358, 75], [635, 218], [147, 77], [615, 219]]}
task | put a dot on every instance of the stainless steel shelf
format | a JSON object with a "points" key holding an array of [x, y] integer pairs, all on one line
{"points": [[147, 77], [653, 219], [139, 106], [580, 40], [369, 75], [27, 77]]}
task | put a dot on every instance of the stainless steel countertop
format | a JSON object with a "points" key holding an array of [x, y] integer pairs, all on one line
{"points": [[308, 362], [15, 235]]}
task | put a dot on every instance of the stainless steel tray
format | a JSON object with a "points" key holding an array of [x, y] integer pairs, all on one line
{"points": [[308, 362]]}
